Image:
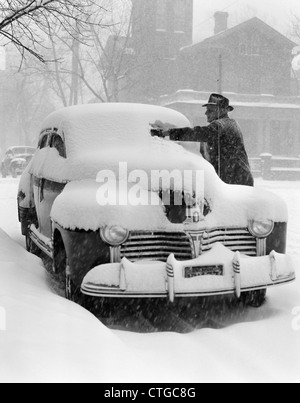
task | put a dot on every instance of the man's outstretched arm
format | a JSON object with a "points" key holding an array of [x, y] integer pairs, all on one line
{"points": [[184, 134], [196, 134]]}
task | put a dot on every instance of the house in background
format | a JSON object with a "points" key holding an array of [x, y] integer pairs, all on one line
{"points": [[160, 28], [149, 55], [251, 65]]}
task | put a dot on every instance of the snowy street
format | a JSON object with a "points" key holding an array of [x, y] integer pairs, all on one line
{"points": [[45, 338]]}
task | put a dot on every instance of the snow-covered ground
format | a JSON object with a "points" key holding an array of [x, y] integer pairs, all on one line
{"points": [[44, 338]]}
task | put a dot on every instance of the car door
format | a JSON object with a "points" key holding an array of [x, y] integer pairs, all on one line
{"points": [[48, 190], [43, 143]]}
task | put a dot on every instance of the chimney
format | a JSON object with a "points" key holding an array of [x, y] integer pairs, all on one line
{"points": [[221, 21]]}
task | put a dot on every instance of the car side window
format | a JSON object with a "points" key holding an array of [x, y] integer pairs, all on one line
{"points": [[43, 141], [58, 143]]}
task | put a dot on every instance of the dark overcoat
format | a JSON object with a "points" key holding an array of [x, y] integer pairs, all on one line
{"points": [[226, 149]]}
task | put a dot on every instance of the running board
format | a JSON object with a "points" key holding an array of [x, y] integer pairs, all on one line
{"points": [[42, 242]]}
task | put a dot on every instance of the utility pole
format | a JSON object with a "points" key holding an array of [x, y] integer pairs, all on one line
{"points": [[220, 80]]}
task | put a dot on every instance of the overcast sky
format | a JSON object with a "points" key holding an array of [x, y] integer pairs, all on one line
{"points": [[277, 13]]}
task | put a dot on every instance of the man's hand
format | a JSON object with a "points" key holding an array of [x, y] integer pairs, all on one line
{"points": [[160, 129], [157, 133]]}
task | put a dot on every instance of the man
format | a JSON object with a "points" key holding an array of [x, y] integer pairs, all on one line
{"points": [[224, 140]]}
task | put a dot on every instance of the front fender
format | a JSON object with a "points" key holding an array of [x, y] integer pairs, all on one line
{"points": [[84, 249], [278, 238]]}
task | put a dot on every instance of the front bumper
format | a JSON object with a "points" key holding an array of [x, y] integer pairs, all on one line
{"points": [[217, 272]]}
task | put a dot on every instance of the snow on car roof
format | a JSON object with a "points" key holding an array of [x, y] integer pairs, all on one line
{"points": [[101, 136], [85, 127]]}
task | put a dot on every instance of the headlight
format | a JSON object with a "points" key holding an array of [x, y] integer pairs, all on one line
{"points": [[261, 229], [115, 235]]}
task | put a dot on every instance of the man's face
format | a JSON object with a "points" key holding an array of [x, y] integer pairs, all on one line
{"points": [[211, 113]]}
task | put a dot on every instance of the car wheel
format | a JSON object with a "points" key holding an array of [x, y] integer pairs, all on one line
{"points": [[72, 292], [255, 299], [31, 247], [62, 269]]}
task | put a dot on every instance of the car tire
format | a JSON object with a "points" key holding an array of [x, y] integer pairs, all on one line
{"points": [[70, 289], [62, 268], [255, 299], [31, 247]]}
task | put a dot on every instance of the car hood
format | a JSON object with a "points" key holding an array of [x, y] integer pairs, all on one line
{"points": [[152, 158], [230, 205], [78, 207]]}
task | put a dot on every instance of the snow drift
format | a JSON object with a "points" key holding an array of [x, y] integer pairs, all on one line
{"points": [[48, 339]]}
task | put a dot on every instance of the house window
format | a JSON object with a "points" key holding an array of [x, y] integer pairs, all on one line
{"points": [[255, 45], [179, 12], [243, 49], [250, 46], [162, 15]]}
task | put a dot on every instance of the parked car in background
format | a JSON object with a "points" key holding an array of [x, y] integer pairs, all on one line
{"points": [[16, 160], [91, 201]]}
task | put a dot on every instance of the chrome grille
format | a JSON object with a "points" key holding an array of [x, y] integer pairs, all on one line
{"points": [[233, 238], [157, 246]]}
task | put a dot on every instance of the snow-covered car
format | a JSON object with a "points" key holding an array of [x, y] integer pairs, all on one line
{"points": [[16, 160], [127, 215]]}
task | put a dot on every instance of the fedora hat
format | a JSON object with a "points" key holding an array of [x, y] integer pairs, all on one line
{"points": [[220, 101]]}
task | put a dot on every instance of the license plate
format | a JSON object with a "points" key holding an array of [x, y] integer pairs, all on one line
{"points": [[197, 271]]}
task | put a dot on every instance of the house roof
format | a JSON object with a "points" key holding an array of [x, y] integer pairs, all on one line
{"points": [[253, 23]]}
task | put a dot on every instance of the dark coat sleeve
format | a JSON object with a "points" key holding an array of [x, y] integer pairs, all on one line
{"points": [[197, 134]]}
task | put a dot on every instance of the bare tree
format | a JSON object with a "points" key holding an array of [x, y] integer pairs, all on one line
{"points": [[24, 103], [26, 25], [90, 69], [108, 65]]}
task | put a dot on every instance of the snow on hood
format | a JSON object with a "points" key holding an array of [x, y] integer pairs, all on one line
{"points": [[237, 205], [230, 204], [77, 207], [153, 154]]}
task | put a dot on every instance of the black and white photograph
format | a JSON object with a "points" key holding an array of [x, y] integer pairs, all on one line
{"points": [[149, 194]]}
